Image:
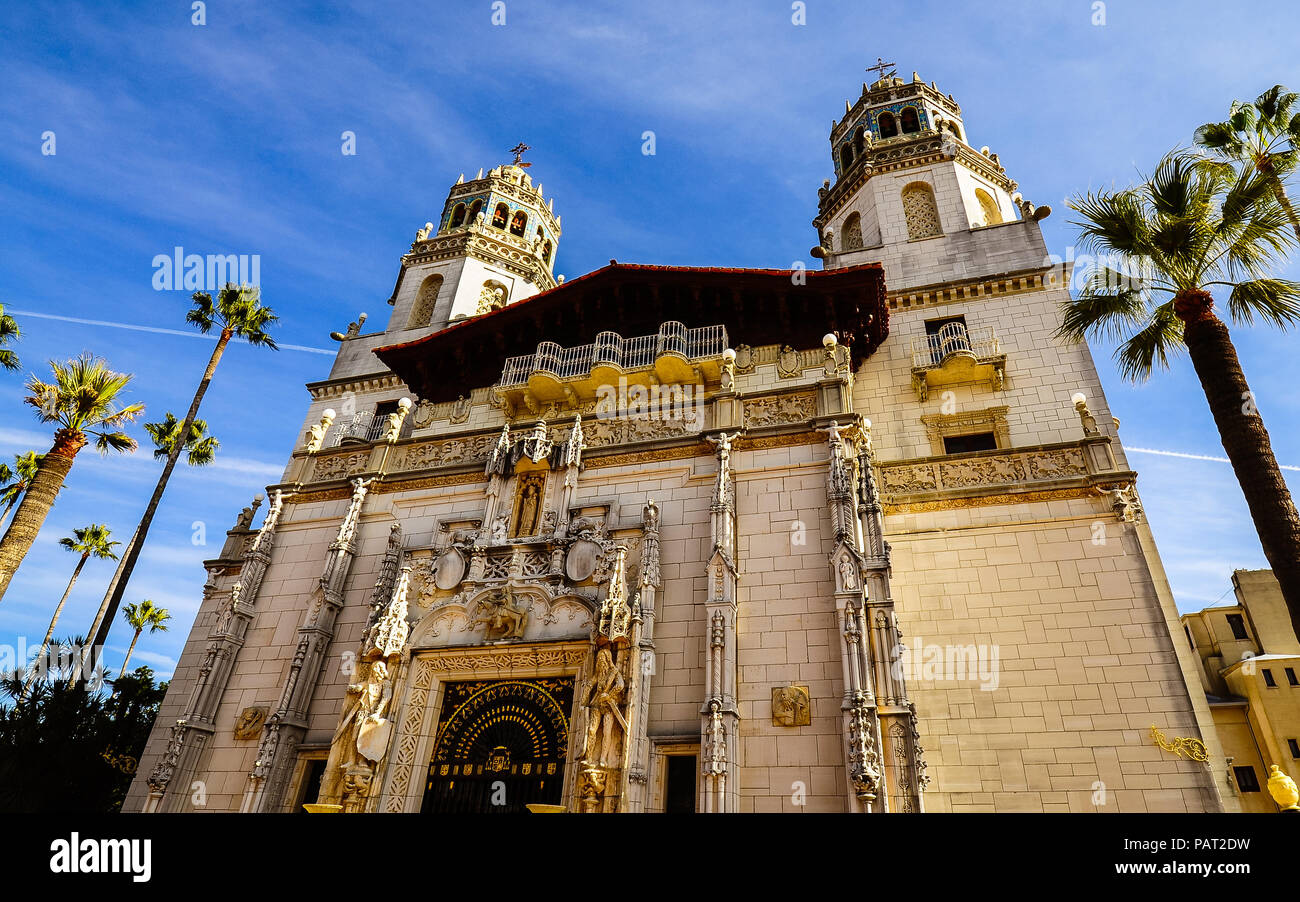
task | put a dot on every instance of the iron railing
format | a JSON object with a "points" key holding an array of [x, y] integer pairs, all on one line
{"points": [[954, 338]]}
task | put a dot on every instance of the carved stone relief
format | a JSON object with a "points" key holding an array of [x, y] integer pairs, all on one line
{"points": [[776, 410], [791, 706]]}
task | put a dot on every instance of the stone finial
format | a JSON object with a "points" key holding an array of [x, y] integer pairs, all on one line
{"points": [[1080, 401], [1283, 789], [316, 434]]}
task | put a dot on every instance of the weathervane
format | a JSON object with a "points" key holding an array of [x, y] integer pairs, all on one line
{"points": [[518, 151], [885, 70]]}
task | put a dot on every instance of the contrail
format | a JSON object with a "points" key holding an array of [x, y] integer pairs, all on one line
{"points": [[1217, 460], [135, 328]]}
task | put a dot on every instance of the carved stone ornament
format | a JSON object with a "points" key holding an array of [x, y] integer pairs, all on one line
{"points": [[744, 359], [791, 706], [423, 414], [580, 563], [250, 721], [500, 616], [787, 363], [460, 410], [449, 569]]}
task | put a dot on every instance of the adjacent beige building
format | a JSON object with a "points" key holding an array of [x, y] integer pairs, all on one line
{"points": [[665, 538], [1250, 672]]}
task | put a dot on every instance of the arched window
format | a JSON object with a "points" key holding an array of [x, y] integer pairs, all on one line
{"points": [[541, 236], [859, 142], [989, 206], [851, 233], [911, 122], [500, 216], [474, 210], [425, 301], [457, 215], [846, 156], [546, 252], [920, 211], [492, 296], [888, 125], [519, 224]]}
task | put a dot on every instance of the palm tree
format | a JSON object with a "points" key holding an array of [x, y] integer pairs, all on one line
{"points": [[237, 312], [1193, 227], [14, 482], [9, 331], [139, 616], [1264, 135], [200, 448], [89, 541], [81, 402]]}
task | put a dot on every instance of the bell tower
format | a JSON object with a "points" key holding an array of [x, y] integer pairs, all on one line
{"points": [[493, 244], [912, 193]]}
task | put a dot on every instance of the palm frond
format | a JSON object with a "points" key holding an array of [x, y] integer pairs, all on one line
{"points": [[1275, 300], [1152, 346]]}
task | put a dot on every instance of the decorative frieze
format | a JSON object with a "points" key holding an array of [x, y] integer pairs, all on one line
{"points": [[778, 410], [1027, 467]]}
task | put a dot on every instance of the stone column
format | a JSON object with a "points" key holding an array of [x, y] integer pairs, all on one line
{"points": [[286, 727], [190, 734], [643, 621], [720, 715]]}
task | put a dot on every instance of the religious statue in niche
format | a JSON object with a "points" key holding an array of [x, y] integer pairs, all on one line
{"points": [[848, 574], [790, 706], [602, 699], [529, 505], [500, 616]]}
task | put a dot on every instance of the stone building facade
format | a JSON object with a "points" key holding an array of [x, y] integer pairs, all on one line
{"points": [[1250, 673], [662, 538]]}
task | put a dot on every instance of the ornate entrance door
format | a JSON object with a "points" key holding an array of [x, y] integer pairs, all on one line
{"points": [[501, 745]]}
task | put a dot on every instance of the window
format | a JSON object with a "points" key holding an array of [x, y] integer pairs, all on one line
{"points": [[920, 211], [492, 296], [989, 207], [1295, 747], [457, 215], [888, 125], [474, 209], [851, 234], [500, 216], [859, 142], [379, 423], [961, 444], [946, 336], [1238, 624], [309, 790], [546, 252], [519, 224], [911, 122], [846, 157], [1268, 678], [425, 301], [679, 787], [1290, 677], [1246, 780]]}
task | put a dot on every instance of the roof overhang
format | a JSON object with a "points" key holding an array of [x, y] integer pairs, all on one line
{"points": [[758, 307]]}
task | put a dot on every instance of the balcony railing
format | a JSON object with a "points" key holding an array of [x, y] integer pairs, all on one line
{"points": [[611, 349], [954, 338], [363, 427]]}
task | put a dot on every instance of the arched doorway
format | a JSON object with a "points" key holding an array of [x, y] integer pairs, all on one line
{"points": [[501, 745]]}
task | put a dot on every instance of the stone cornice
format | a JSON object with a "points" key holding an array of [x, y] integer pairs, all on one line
{"points": [[996, 286], [337, 388]]}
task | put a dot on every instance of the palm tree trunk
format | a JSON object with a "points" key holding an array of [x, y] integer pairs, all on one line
{"points": [[1265, 165], [49, 633], [134, 639], [37, 501], [1246, 441], [126, 565], [8, 508]]}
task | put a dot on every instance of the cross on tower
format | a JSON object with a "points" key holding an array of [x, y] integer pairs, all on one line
{"points": [[518, 151], [884, 69]]}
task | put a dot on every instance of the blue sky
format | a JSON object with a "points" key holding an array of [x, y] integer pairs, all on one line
{"points": [[225, 138]]}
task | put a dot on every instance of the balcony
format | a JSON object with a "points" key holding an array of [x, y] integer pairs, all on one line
{"points": [[362, 428], [954, 355], [674, 355]]}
